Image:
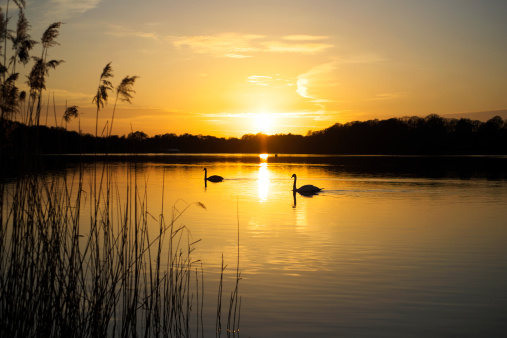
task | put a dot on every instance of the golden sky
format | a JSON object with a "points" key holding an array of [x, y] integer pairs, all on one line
{"points": [[227, 68]]}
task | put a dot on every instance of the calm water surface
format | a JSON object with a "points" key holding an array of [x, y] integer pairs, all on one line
{"points": [[392, 247]]}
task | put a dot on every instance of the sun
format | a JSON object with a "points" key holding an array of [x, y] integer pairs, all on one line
{"points": [[264, 122]]}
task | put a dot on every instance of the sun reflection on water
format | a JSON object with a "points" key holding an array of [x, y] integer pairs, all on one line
{"points": [[301, 217], [263, 181]]}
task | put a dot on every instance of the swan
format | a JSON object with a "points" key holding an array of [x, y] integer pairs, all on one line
{"points": [[213, 178], [305, 189]]}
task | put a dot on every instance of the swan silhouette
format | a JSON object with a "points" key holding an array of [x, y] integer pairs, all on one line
{"points": [[213, 178], [305, 189]]}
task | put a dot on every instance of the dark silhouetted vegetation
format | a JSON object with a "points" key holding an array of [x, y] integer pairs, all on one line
{"points": [[431, 135]]}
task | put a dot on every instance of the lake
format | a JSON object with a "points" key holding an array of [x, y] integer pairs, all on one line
{"points": [[392, 247]]}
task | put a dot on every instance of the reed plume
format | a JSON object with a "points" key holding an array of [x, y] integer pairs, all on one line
{"points": [[100, 99], [20, 3], [21, 42], [4, 33], [10, 95], [37, 77], [3, 38], [71, 112], [124, 93], [37, 82], [49, 37], [21, 45]]}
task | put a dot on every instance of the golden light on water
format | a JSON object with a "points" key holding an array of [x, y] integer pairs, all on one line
{"points": [[264, 157], [263, 181]]}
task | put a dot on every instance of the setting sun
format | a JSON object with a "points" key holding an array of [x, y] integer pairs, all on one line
{"points": [[264, 122]]}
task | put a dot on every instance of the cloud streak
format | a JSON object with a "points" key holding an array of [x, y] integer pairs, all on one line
{"points": [[290, 47], [225, 44], [120, 31], [275, 80], [244, 45], [315, 115], [68, 8], [305, 37], [304, 81], [232, 45], [388, 96]]}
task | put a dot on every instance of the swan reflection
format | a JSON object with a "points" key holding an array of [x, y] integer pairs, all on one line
{"points": [[307, 195]]}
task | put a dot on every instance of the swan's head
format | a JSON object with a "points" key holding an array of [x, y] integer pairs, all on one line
{"points": [[204, 169], [293, 175]]}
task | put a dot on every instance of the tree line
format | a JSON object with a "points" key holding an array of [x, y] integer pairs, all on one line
{"points": [[430, 135]]}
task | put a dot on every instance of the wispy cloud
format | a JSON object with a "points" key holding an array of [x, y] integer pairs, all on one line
{"points": [[304, 81], [317, 115], [259, 79], [237, 56], [316, 77], [274, 80], [226, 44], [290, 47], [302, 87], [388, 96], [120, 31], [244, 45], [68, 8], [232, 45], [305, 37]]}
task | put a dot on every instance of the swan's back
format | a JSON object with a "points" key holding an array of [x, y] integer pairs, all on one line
{"points": [[309, 188], [215, 178], [212, 178], [305, 189]]}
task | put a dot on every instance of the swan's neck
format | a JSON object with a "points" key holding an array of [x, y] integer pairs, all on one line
{"points": [[294, 186], [205, 174]]}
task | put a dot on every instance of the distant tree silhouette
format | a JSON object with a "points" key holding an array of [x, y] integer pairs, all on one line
{"points": [[137, 135], [431, 135], [493, 134], [412, 135]]}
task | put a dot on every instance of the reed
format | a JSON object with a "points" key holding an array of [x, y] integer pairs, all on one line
{"points": [[123, 93], [68, 271], [105, 86]]}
